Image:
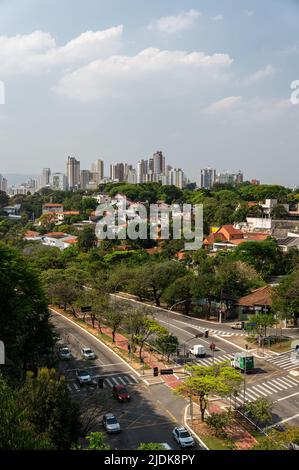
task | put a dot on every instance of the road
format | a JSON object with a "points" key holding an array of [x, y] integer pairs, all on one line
{"points": [[152, 412]]}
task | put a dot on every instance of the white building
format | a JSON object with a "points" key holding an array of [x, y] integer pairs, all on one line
{"points": [[3, 184], [58, 181]]}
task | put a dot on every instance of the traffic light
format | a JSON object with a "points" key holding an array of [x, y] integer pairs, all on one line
{"points": [[156, 371], [206, 333]]}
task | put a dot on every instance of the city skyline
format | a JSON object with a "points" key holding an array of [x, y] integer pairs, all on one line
{"points": [[123, 75]]}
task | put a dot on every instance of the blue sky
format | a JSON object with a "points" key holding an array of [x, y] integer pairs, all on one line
{"points": [[207, 82]]}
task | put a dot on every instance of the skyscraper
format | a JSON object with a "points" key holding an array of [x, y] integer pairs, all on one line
{"points": [[142, 169], [3, 184], [46, 174], [176, 177], [207, 178], [73, 173], [59, 181], [117, 172], [85, 178], [159, 163], [97, 169]]}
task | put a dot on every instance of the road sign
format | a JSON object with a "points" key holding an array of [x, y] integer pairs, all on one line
{"points": [[86, 309]]}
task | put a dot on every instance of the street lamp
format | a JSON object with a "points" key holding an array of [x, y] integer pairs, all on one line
{"points": [[174, 305], [245, 370]]}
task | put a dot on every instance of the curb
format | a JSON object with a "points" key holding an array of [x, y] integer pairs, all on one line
{"points": [[204, 446]]}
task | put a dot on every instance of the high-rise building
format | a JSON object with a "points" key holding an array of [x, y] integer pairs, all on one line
{"points": [[117, 172], [58, 181], [97, 169], [85, 178], [132, 176], [229, 178], [73, 173], [46, 175], [176, 177], [159, 163], [142, 170], [3, 184], [207, 178]]}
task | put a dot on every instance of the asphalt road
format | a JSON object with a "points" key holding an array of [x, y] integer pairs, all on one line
{"points": [[152, 412]]}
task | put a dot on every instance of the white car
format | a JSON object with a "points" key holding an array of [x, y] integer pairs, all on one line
{"points": [[110, 423], [64, 354], [183, 437], [238, 326], [83, 377], [87, 353]]}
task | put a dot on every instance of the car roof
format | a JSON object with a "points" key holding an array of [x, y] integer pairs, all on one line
{"points": [[109, 415], [181, 428]]}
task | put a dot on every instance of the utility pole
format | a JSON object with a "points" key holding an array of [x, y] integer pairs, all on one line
{"points": [[245, 370]]}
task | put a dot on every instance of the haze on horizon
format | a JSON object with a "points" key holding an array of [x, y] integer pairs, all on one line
{"points": [[206, 82]]}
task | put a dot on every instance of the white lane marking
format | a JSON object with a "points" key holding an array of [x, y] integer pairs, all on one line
{"points": [[283, 421], [127, 379], [289, 396], [260, 391], [122, 380], [284, 383], [251, 395], [292, 381], [76, 387], [114, 380]]}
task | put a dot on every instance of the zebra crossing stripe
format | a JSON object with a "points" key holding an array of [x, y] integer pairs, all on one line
{"points": [[127, 380], [277, 381], [114, 380], [109, 382], [76, 387], [267, 388], [134, 378], [261, 391], [251, 395], [122, 381], [284, 383], [276, 387], [293, 382]]}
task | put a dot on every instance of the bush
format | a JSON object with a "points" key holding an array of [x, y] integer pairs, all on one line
{"points": [[218, 421]]}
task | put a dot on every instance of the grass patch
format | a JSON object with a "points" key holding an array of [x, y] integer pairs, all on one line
{"points": [[282, 346]]}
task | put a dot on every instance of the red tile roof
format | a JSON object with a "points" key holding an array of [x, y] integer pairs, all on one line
{"points": [[259, 297], [52, 205], [31, 234], [55, 234], [70, 240]]}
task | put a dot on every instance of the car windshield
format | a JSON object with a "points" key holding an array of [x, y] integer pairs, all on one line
{"points": [[88, 351], [64, 351], [122, 391], [111, 420], [184, 434], [83, 373]]}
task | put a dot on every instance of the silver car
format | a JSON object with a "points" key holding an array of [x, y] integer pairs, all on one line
{"points": [[87, 353], [111, 424], [64, 354], [83, 377], [183, 437]]}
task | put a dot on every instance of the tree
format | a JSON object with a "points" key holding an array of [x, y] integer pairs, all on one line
{"points": [[114, 317], [265, 256], [167, 344], [285, 298], [87, 239], [142, 327], [206, 287], [50, 410], [97, 441], [150, 446], [263, 321], [276, 440], [4, 199], [24, 315], [279, 212], [218, 422], [179, 292], [260, 411], [219, 379], [158, 276]]}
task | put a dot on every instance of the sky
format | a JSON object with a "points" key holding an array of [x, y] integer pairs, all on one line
{"points": [[207, 82]]}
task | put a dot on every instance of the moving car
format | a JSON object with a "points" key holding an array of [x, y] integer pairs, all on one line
{"points": [[121, 393], [198, 350], [240, 325], [87, 353], [110, 423], [83, 377], [64, 354], [183, 437]]}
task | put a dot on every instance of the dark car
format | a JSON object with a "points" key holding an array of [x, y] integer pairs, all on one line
{"points": [[121, 393]]}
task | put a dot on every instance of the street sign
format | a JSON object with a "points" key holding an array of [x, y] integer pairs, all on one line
{"points": [[85, 309], [166, 371]]}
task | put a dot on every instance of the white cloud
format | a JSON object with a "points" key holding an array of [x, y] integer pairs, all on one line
{"points": [[265, 72], [217, 18], [174, 24], [36, 52], [150, 72], [223, 104]]}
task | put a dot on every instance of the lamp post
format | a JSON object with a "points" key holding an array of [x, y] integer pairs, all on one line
{"points": [[174, 305], [245, 370]]}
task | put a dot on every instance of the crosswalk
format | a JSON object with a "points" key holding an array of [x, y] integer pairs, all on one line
{"points": [[209, 361], [109, 382], [222, 333], [267, 389], [284, 361]]}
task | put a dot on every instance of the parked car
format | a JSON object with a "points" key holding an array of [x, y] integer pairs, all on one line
{"points": [[83, 377], [64, 354], [121, 393], [182, 436], [240, 325], [87, 353], [110, 423]]}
